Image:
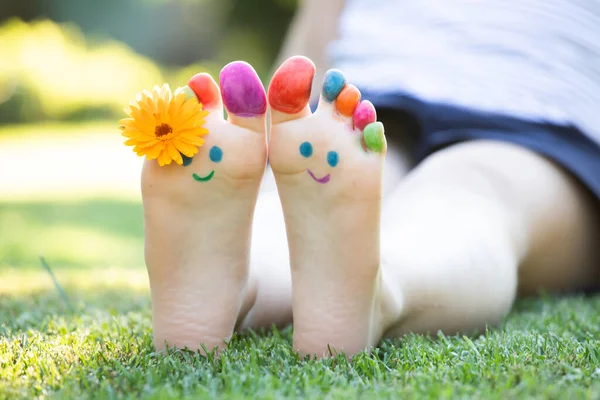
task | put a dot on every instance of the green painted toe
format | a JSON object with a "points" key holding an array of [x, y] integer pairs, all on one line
{"points": [[189, 93], [374, 137]]}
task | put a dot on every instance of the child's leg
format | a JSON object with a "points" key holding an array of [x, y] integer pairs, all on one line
{"points": [[474, 224], [456, 234]]}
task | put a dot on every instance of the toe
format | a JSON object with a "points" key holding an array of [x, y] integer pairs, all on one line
{"points": [[364, 114], [207, 91], [374, 137], [243, 95], [333, 83], [347, 100], [289, 91]]}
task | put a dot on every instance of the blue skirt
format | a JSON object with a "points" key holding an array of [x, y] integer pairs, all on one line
{"points": [[441, 125]]}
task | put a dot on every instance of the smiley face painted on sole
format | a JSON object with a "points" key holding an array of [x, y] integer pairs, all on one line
{"points": [[306, 150], [225, 158], [215, 155]]}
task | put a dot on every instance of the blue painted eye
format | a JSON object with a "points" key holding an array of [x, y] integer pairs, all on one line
{"points": [[215, 154], [186, 160], [306, 149], [333, 158]]}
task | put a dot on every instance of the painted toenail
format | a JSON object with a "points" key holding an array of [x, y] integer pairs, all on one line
{"points": [[332, 158], [289, 90], [215, 154], [374, 136], [333, 83], [242, 91], [364, 114], [306, 149], [189, 93], [347, 100], [205, 89]]}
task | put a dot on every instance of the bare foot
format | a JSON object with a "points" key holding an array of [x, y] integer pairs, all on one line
{"points": [[328, 167], [198, 217]]}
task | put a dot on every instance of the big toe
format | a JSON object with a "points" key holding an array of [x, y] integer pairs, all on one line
{"points": [[243, 95], [289, 91]]}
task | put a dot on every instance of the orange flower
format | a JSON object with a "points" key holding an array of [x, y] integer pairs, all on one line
{"points": [[164, 125]]}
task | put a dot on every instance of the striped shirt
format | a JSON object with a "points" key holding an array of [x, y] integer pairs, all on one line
{"points": [[534, 59]]}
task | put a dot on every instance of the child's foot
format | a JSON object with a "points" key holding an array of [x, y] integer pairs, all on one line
{"points": [[198, 217], [328, 167]]}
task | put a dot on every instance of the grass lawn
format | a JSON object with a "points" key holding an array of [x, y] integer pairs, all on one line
{"points": [[96, 341], [99, 345]]}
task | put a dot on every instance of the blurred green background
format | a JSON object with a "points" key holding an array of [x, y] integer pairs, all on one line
{"points": [[74, 60], [69, 188]]}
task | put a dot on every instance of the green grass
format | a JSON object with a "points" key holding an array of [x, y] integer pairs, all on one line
{"points": [[101, 347], [83, 233]]}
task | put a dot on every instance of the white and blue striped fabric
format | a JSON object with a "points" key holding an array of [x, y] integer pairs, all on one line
{"points": [[534, 59]]}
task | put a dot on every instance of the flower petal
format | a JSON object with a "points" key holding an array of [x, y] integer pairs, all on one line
{"points": [[154, 151], [193, 140], [186, 149], [174, 154], [196, 131], [164, 158]]}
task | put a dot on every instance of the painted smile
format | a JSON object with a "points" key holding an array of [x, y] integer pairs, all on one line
{"points": [[324, 179], [204, 178]]}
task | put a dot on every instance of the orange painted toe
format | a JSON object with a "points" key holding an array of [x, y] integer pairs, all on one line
{"points": [[206, 89], [347, 100]]}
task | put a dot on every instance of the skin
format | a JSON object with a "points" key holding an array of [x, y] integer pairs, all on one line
{"points": [[525, 236], [501, 220], [198, 233], [377, 251], [539, 259], [511, 222]]}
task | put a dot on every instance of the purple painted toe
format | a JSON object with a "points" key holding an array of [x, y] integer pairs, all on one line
{"points": [[242, 90]]}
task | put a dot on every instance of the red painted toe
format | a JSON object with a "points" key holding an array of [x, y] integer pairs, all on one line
{"points": [[289, 91]]}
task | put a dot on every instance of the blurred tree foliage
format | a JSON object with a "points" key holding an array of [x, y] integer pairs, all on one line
{"points": [[79, 59]]}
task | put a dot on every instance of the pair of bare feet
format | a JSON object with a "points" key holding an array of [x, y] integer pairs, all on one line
{"points": [[198, 217]]}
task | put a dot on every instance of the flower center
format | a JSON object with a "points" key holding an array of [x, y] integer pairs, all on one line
{"points": [[162, 130]]}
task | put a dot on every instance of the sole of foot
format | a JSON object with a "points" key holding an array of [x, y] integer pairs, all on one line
{"points": [[328, 168], [198, 217]]}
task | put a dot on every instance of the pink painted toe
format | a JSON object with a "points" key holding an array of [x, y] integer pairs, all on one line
{"points": [[364, 114]]}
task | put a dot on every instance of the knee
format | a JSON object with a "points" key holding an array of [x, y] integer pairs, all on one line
{"points": [[452, 277], [456, 296]]}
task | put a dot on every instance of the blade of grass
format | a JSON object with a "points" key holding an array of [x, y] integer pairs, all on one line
{"points": [[57, 285]]}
